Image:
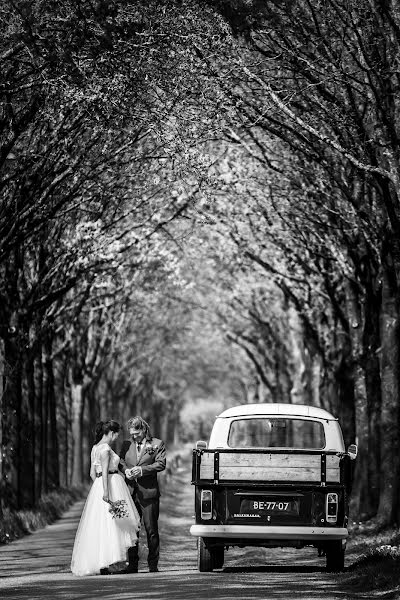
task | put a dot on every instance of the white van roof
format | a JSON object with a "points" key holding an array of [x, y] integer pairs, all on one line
{"points": [[298, 410]]}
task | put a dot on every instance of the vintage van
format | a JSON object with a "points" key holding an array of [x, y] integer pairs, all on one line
{"points": [[272, 475]]}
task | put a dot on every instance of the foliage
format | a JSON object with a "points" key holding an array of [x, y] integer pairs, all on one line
{"points": [[14, 525], [197, 418], [376, 567], [320, 209]]}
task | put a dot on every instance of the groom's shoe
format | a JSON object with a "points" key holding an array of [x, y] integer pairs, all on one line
{"points": [[131, 570], [153, 569], [107, 571]]}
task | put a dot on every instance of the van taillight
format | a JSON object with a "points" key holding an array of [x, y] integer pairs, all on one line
{"points": [[206, 504], [331, 507]]}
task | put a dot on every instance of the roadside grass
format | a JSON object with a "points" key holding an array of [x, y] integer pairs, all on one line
{"points": [[16, 524], [376, 570]]}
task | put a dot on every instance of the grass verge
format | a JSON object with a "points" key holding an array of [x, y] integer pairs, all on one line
{"points": [[16, 524], [376, 569]]}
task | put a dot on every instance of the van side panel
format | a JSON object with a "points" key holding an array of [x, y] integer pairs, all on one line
{"points": [[268, 467]]}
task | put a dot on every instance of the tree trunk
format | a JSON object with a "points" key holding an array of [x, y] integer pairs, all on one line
{"points": [[315, 380], [356, 320], [172, 422], [28, 466], [38, 421], [373, 380], [61, 416], [12, 424], [156, 418], [53, 467], [1, 426], [389, 468], [45, 423], [77, 397], [69, 440], [346, 411]]}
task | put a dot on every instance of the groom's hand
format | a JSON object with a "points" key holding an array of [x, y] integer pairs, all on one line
{"points": [[128, 473], [136, 471]]}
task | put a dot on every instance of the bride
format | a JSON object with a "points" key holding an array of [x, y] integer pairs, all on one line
{"points": [[106, 530]]}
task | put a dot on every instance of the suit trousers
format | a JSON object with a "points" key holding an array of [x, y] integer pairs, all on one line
{"points": [[149, 512]]}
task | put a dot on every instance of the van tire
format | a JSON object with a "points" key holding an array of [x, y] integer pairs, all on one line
{"points": [[205, 562], [334, 552], [218, 557]]}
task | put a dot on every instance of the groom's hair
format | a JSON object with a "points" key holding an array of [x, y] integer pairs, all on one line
{"points": [[139, 423]]}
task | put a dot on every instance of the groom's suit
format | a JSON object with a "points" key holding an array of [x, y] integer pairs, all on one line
{"points": [[145, 491]]}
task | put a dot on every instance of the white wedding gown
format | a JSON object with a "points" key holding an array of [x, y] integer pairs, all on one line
{"points": [[102, 540]]}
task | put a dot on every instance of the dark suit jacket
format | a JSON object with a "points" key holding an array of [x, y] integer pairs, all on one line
{"points": [[151, 459]]}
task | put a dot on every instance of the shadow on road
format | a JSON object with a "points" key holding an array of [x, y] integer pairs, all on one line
{"points": [[182, 586], [276, 569]]}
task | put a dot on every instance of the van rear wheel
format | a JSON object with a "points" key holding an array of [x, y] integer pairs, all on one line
{"points": [[335, 556], [218, 557], [205, 562]]}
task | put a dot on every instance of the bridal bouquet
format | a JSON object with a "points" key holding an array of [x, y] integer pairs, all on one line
{"points": [[118, 509]]}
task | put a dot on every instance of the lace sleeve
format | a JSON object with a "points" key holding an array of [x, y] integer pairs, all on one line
{"points": [[102, 452]]}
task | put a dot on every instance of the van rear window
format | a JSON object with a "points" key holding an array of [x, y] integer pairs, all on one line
{"points": [[264, 432]]}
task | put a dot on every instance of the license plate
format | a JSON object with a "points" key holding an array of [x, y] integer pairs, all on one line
{"points": [[270, 506]]}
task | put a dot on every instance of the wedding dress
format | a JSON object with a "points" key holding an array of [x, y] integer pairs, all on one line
{"points": [[101, 539]]}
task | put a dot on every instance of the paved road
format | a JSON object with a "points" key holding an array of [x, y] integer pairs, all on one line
{"points": [[37, 566]]}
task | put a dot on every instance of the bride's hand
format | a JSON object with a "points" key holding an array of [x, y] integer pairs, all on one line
{"points": [[106, 499]]}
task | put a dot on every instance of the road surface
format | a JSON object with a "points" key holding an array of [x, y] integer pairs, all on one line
{"points": [[37, 566]]}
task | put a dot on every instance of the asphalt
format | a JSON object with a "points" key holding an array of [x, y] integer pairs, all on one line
{"points": [[49, 550], [38, 565]]}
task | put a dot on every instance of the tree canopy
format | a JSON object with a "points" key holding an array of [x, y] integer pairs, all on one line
{"points": [[199, 206]]}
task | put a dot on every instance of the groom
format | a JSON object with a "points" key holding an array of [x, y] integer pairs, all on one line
{"points": [[141, 458]]}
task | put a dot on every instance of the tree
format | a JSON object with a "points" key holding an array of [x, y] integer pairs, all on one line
{"points": [[327, 94]]}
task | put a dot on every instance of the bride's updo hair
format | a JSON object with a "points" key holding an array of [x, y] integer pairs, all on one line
{"points": [[104, 427]]}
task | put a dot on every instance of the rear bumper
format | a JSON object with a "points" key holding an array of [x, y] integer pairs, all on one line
{"points": [[257, 532]]}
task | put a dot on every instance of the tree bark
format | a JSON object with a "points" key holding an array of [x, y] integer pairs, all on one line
{"points": [[53, 467], [12, 435], [29, 466], [44, 462], [62, 419], [356, 320], [346, 411], [38, 416], [315, 380], [1, 425], [373, 381], [389, 432], [77, 397]]}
